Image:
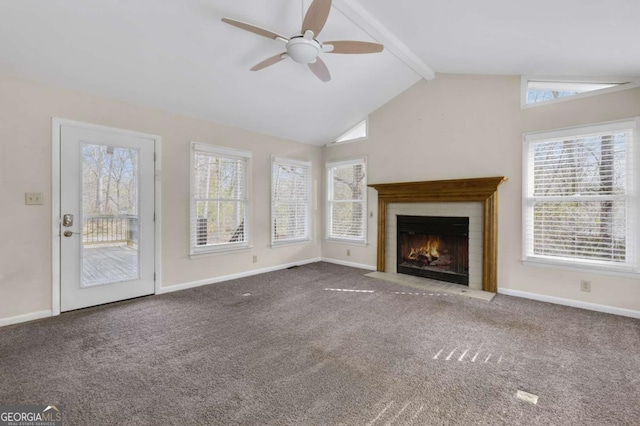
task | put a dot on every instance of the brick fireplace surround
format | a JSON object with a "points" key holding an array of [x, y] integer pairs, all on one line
{"points": [[483, 190]]}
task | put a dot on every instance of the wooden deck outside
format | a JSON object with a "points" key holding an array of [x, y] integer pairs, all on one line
{"points": [[109, 263]]}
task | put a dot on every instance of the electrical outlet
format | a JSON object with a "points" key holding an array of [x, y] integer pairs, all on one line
{"points": [[255, 259], [348, 252], [33, 198], [585, 285]]}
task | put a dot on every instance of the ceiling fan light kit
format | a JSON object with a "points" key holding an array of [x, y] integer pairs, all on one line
{"points": [[304, 48]]}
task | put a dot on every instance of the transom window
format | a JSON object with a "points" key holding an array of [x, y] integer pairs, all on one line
{"points": [[290, 201], [219, 198], [580, 194], [537, 91], [359, 132]]}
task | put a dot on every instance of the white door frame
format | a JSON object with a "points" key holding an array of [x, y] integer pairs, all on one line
{"points": [[56, 125]]}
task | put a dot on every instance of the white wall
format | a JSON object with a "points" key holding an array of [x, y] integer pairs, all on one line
{"points": [[26, 110], [464, 126]]}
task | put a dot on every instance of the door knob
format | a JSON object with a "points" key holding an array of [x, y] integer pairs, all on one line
{"points": [[68, 233]]}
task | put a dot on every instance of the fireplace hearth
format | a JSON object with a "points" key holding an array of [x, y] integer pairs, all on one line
{"points": [[434, 247]]}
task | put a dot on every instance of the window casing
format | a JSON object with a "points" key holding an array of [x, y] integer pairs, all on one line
{"points": [[220, 194], [347, 201], [580, 202], [290, 201]]}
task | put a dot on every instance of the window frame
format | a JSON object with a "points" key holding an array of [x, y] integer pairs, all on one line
{"points": [[631, 266], [623, 84], [329, 202], [226, 152], [275, 160]]}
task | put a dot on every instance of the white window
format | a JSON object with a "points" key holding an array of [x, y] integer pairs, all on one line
{"points": [[220, 197], [580, 196], [347, 201], [290, 201], [357, 133], [545, 90]]}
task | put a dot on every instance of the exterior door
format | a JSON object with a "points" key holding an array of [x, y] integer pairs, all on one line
{"points": [[107, 210]]}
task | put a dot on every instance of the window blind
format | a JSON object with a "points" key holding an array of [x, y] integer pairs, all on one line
{"points": [[219, 205], [290, 200], [580, 196], [346, 196]]}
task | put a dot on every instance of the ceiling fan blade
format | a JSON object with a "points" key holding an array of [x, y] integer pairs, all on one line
{"points": [[353, 47], [253, 29], [319, 68], [270, 61], [316, 16]]}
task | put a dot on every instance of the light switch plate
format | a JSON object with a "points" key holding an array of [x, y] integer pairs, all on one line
{"points": [[33, 198]]}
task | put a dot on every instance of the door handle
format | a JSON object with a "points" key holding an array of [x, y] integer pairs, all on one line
{"points": [[67, 220], [69, 233]]}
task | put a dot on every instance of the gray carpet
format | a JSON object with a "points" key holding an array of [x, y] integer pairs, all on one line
{"points": [[295, 353]]}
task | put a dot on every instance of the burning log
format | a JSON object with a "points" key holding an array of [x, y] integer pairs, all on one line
{"points": [[444, 260], [428, 254], [413, 255]]}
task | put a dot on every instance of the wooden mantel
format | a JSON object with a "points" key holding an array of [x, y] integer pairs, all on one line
{"points": [[484, 190]]}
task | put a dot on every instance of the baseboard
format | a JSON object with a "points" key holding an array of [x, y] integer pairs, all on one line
{"points": [[24, 318], [199, 283], [573, 303], [352, 264]]}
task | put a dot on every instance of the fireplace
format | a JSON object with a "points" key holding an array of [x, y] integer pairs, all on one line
{"points": [[482, 190], [434, 247]]}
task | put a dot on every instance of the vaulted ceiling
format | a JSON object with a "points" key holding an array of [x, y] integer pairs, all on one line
{"points": [[178, 56]]}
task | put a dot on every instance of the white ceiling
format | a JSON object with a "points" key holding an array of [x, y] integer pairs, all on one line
{"points": [[176, 55], [526, 37]]}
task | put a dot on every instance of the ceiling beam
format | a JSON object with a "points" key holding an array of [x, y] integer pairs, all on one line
{"points": [[369, 24]]}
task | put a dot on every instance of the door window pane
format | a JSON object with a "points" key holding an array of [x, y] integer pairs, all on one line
{"points": [[110, 225]]}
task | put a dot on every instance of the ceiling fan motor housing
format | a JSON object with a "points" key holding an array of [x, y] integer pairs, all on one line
{"points": [[303, 50]]}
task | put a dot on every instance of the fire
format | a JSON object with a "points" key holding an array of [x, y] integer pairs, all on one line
{"points": [[428, 252]]}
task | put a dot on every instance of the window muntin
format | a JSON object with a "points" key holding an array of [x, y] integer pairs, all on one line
{"points": [[220, 199], [290, 201], [580, 196], [346, 201]]}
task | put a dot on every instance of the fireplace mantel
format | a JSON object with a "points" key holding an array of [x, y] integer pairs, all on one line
{"points": [[484, 190]]}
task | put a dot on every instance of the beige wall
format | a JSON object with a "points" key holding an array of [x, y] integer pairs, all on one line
{"points": [[459, 126], [452, 127], [26, 110]]}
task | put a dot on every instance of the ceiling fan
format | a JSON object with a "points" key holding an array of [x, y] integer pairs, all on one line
{"points": [[304, 48]]}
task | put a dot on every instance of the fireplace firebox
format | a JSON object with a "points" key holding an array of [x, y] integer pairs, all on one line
{"points": [[434, 247]]}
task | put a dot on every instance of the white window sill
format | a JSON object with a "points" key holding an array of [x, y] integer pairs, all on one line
{"points": [[346, 241], [219, 251], [624, 272], [275, 244]]}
